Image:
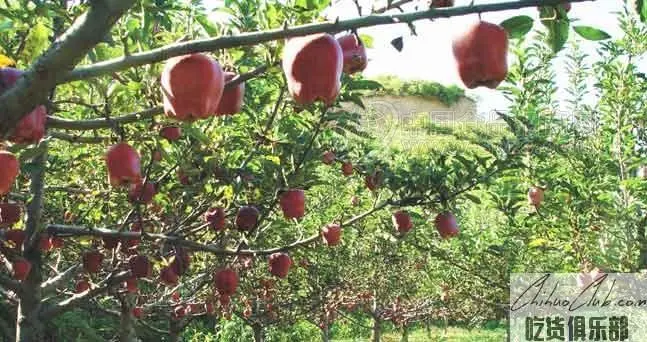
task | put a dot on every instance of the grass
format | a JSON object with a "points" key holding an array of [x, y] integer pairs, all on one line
{"points": [[453, 334]]}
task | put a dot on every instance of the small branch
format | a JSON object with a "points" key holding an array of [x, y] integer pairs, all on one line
{"points": [[54, 65], [78, 139], [9, 284], [75, 300], [51, 283], [86, 125], [35, 206], [253, 38]]}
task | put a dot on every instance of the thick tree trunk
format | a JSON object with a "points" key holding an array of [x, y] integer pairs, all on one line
{"points": [[258, 333], [29, 327], [405, 334], [377, 330], [325, 334], [127, 331], [175, 330]]}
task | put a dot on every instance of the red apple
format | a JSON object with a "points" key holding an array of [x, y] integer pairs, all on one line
{"points": [[481, 53], [181, 262], [216, 218], [142, 193], [183, 177], [140, 266], [123, 165], [328, 157], [192, 86], [157, 155], [179, 312], [208, 306], [21, 268], [31, 128], [347, 168], [81, 286], [110, 242], [373, 181], [232, 97], [331, 234], [171, 133], [402, 221], [247, 218], [175, 296], [131, 285], [280, 264], [8, 172], [168, 276], [44, 243], [138, 311], [441, 3], [226, 281], [92, 261], [313, 66], [535, 196], [10, 213], [446, 225], [57, 242], [17, 236], [354, 52], [293, 203]]}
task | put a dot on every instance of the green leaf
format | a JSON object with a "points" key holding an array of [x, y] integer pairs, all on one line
{"points": [[5, 25], [206, 25], [557, 33], [641, 8], [366, 85], [366, 40], [517, 27], [473, 198], [537, 243], [591, 33]]}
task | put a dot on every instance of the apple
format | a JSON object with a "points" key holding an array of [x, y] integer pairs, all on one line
{"points": [[142, 193], [313, 66], [44, 243], [373, 181], [181, 262], [402, 221], [247, 218], [293, 203], [216, 218], [157, 155], [280, 264], [17, 236], [328, 157], [192, 86], [226, 281], [57, 242], [481, 53], [231, 101], [132, 243], [92, 261], [8, 172], [175, 296], [354, 53], [138, 311], [196, 308], [123, 165], [331, 234], [131, 285], [171, 133], [81, 286], [110, 242], [183, 177], [441, 3], [446, 225], [179, 312], [535, 196], [225, 300], [31, 128], [208, 306], [140, 266], [168, 276], [10, 213], [21, 268], [347, 168]]}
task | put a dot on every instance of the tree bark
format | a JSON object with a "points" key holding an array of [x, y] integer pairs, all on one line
{"points": [[29, 327], [405, 334], [127, 331], [258, 333], [377, 330], [325, 334]]}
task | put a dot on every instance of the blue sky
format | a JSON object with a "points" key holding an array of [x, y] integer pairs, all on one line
{"points": [[428, 56]]}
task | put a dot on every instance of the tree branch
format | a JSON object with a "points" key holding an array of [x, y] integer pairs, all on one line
{"points": [[8, 283], [55, 64], [51, 283], [253, 38]]}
